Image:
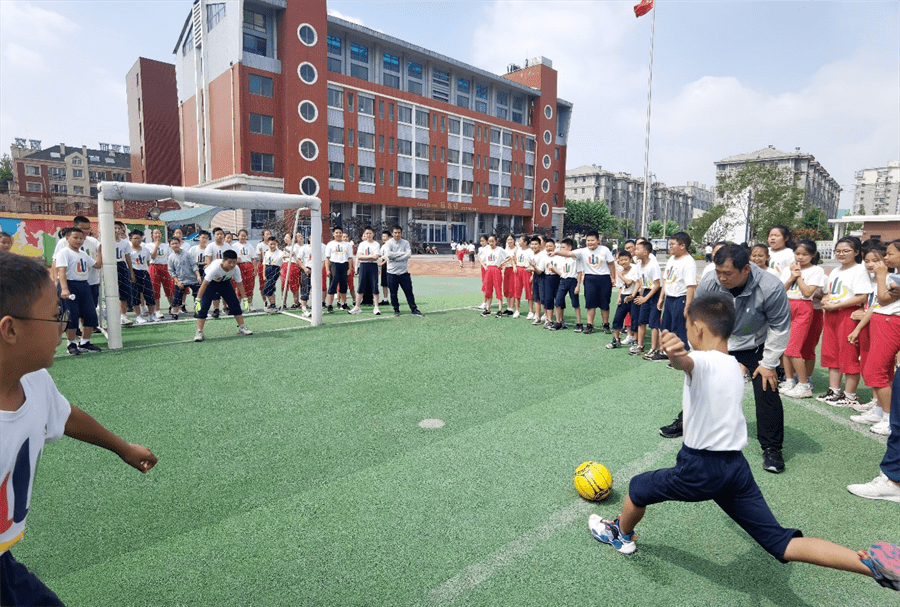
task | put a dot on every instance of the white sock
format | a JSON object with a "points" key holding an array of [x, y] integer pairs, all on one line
{"points": [[877, 410], [850, 394], [84, 341]]}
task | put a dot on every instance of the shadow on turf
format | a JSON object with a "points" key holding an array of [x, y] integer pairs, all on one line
{"points": [[795, 442]]}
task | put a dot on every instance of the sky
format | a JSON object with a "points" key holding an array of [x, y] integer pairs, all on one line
{"points": [[728, 77]]}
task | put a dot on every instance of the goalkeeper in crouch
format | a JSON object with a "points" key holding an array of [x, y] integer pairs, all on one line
{"points": [[217, 284]]}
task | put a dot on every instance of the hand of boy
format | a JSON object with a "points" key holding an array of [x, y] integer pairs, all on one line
{"points": [[672, 345], [138, 457]]}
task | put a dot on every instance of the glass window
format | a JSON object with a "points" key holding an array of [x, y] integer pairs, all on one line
{"points": [[360, 53], [501, 112], [358, 71], [334, 45], [468, 158], [495, 136], [434, 153], [352, 173], [334, 65], [366, 174], [421, 118], [254, 21], [391, 63], [481, 106], [469, 129], [422, 150], [254, 44], [32, 170], [307, 73], [507, 166], [504, 191], [453, 156], [308, 149], [366, 106], [350, 137], [335, 98], [495, 190], [414, 87], [34, 186], [381, 143], [462, 100], [391, 182], [414, 70], [495, 164], [391, 145], [308, 111], [404, 114], [454, 125], [467, 187], [335, 170], [306, 34], [260, 85], [336, 134], [366, 141], [462, 85], [502, 98], [262, 163], [421, 182], [404, 180], [434, 183], [404, 147], [481, 91], [391, 80], [260, 124], [391, 112], [452, 185], [478, 137]]}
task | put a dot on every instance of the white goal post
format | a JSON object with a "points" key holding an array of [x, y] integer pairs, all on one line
{"points": [[110, 191]]}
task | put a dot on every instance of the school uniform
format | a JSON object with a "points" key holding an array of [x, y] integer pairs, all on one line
{"points": [[245, 263], [539, 261], [801, 308], [568, 281], [271, 270], [220, 287], [710, 465], [509, 274], [290, 268], [597, 277], [493, 279], [648, 313], [681, 273], [634, 275], [779, 260], [339, 254], [140, 265], [91, 246], [523, 276], [199, 254], [884, 344], [77, 264], [837, 352], [262, 247], [125, 287], [368, 270], [304, 254], [159, 272]]}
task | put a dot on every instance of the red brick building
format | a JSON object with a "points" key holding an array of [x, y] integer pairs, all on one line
{"points": [[153, 123]]}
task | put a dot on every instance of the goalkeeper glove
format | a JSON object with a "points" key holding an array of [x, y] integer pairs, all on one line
{"points": [[245, 305], [196, 305]]}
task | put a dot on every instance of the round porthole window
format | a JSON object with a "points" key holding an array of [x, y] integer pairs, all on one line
{"points": [[308, 149], [307, 34], [308, 111], [307, 72], [309, 186], [548, 112], [545, 186], [548, 137], [545, 209], [546, 161]]}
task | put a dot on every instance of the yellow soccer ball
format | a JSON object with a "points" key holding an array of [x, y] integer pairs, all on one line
{"points": [[593, 481]]}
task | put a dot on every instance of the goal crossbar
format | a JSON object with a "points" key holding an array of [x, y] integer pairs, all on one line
{"points": [[110, 191]]}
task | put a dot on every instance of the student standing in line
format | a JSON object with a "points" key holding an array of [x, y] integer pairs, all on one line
{"points": [[262, 247], [367, 255], [493, 258], [124, 272], [214, 251], [627, 279], [802, 280], [271, 269], [246, 257], [781, 248], [72, 265], [159, 271], [140, 265], [651, 279], [598, 265], [338, 255], [679, 285], [571, 278]]}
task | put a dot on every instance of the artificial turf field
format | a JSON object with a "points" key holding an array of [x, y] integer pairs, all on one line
{"points": [[293, 471]]}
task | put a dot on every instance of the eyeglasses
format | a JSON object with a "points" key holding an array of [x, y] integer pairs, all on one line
{"points": [[62, 318], [843, 251]]}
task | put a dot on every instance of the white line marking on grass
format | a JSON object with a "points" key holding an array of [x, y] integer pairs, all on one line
{"points": [[475, 574], [859, 428]]}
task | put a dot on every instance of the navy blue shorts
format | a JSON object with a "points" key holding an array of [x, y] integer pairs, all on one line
{"points": [[622, 311], [597, 291], [720, 476], [272, 274], [124, 281], [216, 290], [537, 288], [649, 313], [567, 287], [635, 315], [18, 586], [368, 278], [143, 286], [338, 282], [551, 286], [82, 306], [673, 317]]}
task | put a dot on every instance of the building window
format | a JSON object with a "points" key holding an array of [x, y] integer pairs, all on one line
{"points": [[462, 100], [404, 114], [336, 134], [260, 85], [421, 182], [307, 73], [358, 71], [308, 149], [350, 137], [391, 112], [495, 164], [366, 174], [366, 106], [254, 21], [77, 173], [334, 45], [502, 98], [495, 136], [478, 137], [308, 111], [404, 180], [434, 183], [501, 112], [414, 70], [453, 185], [391, 182], [422, 150], [96, 176], [214, 14], [518, 109], [530, 144], [32, 170], [434, 153], [452, 156], [76, 160], [334, 65], [260, 218], [462, 85], [261, 125], [467, 187], [404, 147], [507, 166], [469, 129], [335, 170], [309, 186], [57, 174], [381, 143], [307, 34], [422, 118], [391, 64], [186, 45], [507, 139], [349, 102], [254, 44], [546, 161], [380, 176], [335, 98], [545, 186], [360, 53], [390, 145], [366, 141], [34, 186], [548, 137], [453, 126], [380, 110], [555, 176], [58, 188], [78, 190], [468, 158], [262, 163], [556, 153]]}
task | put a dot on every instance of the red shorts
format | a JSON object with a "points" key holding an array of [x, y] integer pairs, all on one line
{"points": [[801, 322], [261, 272], [493, 282], [808, 351], [509, 282], [837, 352], [884, 343], [523, 282], [246, 277], [865, 343], [293, 282], [159, 274], [483, 281], [460, 253]]}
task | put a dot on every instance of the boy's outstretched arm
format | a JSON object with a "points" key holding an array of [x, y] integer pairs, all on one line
{"points": [[678, 355], [83, 427]]}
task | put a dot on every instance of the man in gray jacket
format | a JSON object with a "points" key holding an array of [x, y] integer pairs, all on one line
{"points": [[396, 253], [760, 337]]}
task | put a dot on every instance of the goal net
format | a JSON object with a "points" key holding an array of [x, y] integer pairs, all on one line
{"points": [[110, 191]]}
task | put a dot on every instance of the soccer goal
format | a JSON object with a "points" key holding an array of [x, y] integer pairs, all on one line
{"points": [[110, 191]]}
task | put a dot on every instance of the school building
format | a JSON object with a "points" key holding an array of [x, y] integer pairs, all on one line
{"points": [[279, 96]]}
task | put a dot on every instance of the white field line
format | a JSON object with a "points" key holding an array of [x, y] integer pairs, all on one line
{"points": [[825, 411], [475, 574]]}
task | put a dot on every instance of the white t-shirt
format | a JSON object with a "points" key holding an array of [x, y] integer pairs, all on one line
{"points": [[813, 276], [492, 257], [367, 249], [540, 261], [272, 258], [140, 259], [633, 274], [41, 419], [262, 247], [568, 267], [76, 263], [162, 252], [244, 251], [295, 252], [199, 254], [471, 247], [91, 246], [596, 262], [779, 260], [649, 273], [712, 400], [681, 273], [893, 308], [524, 258], [122, 247], [339, 252], [215, 272], [846, 284], [215, 250]]}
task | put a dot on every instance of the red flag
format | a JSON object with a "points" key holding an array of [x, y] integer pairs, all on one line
{"points": [[643, 8]]}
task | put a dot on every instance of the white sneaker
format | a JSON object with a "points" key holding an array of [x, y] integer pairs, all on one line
{"points": [[627, 341], [306, 314], [786, 386], [863, 407], [354, 310], [883, 427], [243, 330], [198, 336], [879, 488], [144, 309], [515, 314], [869, 417], [799, 391], [125, 320], [141, 319], [481, 307], [530, 316], [376, 311], [157, 316]]}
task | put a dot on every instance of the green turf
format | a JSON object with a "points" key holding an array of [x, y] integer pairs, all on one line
{"points": [[293, 472]]}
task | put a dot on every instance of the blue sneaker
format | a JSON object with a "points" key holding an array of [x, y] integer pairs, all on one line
{"points": [[884, 561], [608, 532]]}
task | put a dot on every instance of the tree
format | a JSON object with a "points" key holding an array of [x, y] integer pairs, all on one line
{"points": [[583, 216], [700, 226], [655, 228], [6, 173], [815, 220], [765, 195]]}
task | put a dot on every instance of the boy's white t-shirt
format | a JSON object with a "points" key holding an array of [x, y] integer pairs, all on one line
{"points": [[122, 247], [91, 246], [524, 257], [339, 252], [162, 252], [41, 419], [779, 260], [813, 276], [367, 249], [492, 257], [633, 274], [650, 273], [199, 254], [568, 267], [244, 251], [540, 261], [681, 273], [140, 259], [76, 263], [216, 273], [272, 258], [594, 262], [845, 284], [712, 400], [262, 247], [215, 250]]}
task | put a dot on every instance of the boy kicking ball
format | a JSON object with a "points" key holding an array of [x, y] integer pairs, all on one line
{"points": [[710, 465], [216, 285]]}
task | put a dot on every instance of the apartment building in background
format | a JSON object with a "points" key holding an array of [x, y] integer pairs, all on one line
{"points": [[878, 190], [152, 98]]}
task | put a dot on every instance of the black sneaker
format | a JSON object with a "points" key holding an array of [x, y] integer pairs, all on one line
{"points": [[396, 312], [579, 328], [507, 312], [773, 460], [88, 347], [215, 313], [588, 329], [73, 350], [657, 356], [499, 315], [345, 307], [384, 302], [485, 313], [613, 344], [556, 326], [295, 306], [331, 309], [675, 429], [416, 312], [606, 328], [563, 325]]}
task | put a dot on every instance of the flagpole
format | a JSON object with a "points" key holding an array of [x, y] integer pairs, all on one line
{"points": [[644, 228]]}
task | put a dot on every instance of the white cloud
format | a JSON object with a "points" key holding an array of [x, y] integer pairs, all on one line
{"points": [[23, 58], [340, 15]]}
